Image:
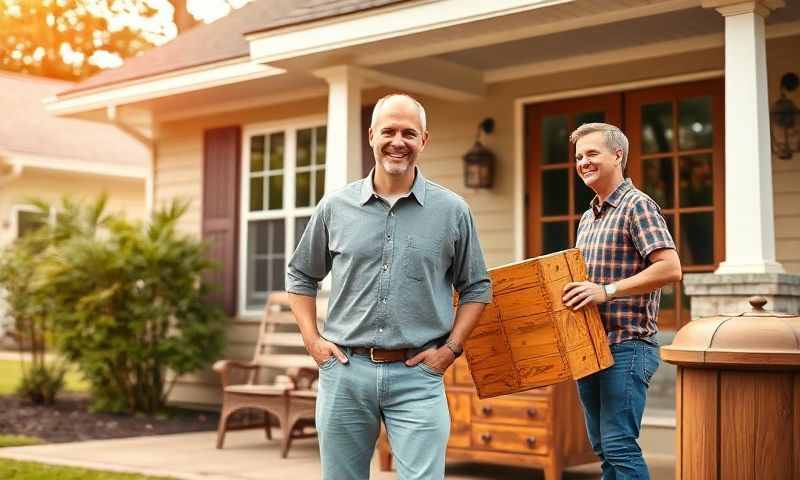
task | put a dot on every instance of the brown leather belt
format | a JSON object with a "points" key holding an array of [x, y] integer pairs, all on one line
{"points": [[379, 355]]}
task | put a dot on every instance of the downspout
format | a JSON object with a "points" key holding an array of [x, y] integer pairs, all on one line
{"points": [[149, 184]]}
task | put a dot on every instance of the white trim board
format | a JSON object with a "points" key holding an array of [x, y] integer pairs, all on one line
{"points": [[207, 76], [66, 164], [382, 24], [520, 222]]}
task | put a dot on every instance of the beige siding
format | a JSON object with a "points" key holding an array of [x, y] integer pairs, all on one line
{"points": [[125, 195], [782, 58], [452, 126]]}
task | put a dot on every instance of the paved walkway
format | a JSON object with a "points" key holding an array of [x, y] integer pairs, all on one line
{"points": [[249, 456]]}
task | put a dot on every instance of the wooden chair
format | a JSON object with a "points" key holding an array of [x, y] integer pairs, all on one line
{"points": [[279, 381]]}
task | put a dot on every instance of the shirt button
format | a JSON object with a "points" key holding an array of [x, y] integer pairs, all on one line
{"points": [[385, 267], [380, 330], [389, 236]]}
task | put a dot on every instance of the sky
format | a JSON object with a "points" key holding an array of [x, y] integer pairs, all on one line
{"points": [[158, 29]]}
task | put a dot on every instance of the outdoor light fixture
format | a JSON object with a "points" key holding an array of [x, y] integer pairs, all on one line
{"points": [[785, 120], [479, 160]]}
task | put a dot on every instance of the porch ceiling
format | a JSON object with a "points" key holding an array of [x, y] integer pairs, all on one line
{"points": [[612, 36]]}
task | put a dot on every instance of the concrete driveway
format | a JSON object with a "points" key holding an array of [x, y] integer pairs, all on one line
{"points": [[249, 456]]}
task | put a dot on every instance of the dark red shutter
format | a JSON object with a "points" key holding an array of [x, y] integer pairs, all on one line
{"points": [[367, 158], [221, 159]]}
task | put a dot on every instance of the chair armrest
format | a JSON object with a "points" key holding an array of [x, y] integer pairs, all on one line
{"points": [[226, 367], [302, 377]]}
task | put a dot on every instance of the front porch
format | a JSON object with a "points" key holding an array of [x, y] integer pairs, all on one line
{"points": [[248, 456]]}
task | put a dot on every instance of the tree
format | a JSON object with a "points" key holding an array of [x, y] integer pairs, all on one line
{"points": [[72, 39]]}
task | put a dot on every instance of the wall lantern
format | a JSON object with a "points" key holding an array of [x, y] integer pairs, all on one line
{"points": [[785, 120], [479, 160]]}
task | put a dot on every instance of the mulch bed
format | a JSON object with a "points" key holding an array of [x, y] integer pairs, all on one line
{"points": [[69, 420]]}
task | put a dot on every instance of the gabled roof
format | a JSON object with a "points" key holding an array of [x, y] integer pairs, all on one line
{"points": [[31, 136], [223, 39]]}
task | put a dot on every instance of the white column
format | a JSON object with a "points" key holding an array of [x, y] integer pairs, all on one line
{"points": [[343, 163], [749, 220]]}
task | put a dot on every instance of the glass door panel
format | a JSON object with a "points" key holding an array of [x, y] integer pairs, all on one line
{"points": [[556, 195]]}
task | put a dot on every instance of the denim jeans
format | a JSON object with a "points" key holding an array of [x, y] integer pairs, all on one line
{"points": [[354, 398], [613, 402]]}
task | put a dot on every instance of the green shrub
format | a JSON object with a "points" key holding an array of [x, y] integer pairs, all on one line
{"points": [[42, 382], [129, 306], [30, 307]]}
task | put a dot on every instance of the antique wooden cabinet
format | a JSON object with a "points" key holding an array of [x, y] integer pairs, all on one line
{"points": [[541, 428]]}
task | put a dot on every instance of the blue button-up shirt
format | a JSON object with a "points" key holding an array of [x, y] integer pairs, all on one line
{"points": [[394, 268]]}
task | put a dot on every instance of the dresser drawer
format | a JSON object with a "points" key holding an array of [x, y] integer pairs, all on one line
{"points": [[503, 438], [528, 412]]}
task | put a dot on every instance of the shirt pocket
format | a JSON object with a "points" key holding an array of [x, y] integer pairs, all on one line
{"points": [[420, 256]]}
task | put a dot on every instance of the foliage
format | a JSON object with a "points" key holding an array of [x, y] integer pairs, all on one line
{"points": [[41, 383], [128, 304], [71, 39], [30, 308], [15, 470]]}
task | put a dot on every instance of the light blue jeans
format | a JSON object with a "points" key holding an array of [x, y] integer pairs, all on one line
{"points": [[355, 397]]}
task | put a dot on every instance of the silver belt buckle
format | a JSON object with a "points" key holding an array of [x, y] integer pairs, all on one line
{"points": [[372, 356]]}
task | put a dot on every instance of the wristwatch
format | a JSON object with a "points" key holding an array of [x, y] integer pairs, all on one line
{"points": [[611, 290], [454, 347]]}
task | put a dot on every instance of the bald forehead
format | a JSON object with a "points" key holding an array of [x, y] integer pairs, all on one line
{"points": [[399, 106]]}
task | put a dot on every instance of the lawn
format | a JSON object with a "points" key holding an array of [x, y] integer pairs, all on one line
{"points": [[14, 470], [11, 372], [18, 441]]}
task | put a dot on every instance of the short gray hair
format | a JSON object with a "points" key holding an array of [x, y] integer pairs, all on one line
{"points": [[423, 120], [615, 139]]}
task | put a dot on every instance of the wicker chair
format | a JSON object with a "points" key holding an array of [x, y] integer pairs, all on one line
{"points": [[289, 396]]}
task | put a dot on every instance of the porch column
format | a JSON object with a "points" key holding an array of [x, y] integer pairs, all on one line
{"points": [[749, 219], [749, 267], [343, 163]]}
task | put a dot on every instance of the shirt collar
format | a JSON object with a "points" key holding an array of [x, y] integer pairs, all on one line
{"points": [[614, 198], [417, 188]]}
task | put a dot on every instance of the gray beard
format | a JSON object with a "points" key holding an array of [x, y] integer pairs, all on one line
{"points": [[394, 169]]}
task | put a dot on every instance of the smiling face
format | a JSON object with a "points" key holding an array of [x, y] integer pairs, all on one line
{"points": [[598, 166], [397, 136]]}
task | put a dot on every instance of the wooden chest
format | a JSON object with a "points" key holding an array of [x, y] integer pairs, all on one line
{"points": [[526, 337]]}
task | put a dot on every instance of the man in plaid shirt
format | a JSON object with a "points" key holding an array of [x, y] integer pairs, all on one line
{"points": [[629, 255]]}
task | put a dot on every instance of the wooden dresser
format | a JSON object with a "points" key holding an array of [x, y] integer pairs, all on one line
{"points": [[541, 428]]}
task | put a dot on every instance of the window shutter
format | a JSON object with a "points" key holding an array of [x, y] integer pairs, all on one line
{"points": [[221, 154], [367, 158]]}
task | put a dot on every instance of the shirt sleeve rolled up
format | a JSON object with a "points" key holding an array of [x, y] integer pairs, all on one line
{"points": [[470, 277], [311, 260]]}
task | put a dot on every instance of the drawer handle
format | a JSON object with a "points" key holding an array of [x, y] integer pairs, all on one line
{"points": [[531, 441], [486, 437], [487, 410], [532, 412]]}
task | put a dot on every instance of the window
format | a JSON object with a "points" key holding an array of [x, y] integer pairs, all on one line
{"points": [[27, 218], [283, 180]]}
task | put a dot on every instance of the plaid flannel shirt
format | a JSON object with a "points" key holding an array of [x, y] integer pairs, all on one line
{"points": [[615, 239]]}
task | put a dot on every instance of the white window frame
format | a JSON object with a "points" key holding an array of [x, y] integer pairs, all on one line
{"points": [[28, 208], [288, 213]]}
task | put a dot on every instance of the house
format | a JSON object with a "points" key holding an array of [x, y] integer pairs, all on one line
{"points": [[47, 157], [255, 116]]}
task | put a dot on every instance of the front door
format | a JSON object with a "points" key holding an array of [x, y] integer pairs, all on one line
{"points": [[676, 156]]}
